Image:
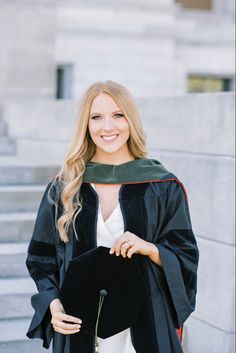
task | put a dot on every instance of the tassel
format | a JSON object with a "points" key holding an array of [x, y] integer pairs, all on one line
{"points": [[102, 293]]}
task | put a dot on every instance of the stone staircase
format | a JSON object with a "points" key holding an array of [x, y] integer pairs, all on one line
{"points": [[21, 187]]}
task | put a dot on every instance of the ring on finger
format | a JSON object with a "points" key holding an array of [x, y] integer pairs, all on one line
{"points": [[126, 244], [127, 247]]}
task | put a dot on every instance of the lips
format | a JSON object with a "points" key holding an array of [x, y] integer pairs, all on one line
{"points": [[109, 137]]}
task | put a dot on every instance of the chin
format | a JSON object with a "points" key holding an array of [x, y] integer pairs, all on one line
{"points": [[110, 151]]}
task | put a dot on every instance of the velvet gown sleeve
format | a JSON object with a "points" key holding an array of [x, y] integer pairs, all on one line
{"points": [[179, 252], [42, 266]]}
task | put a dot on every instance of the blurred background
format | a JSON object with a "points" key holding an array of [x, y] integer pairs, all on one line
{"points": [[177, 59]]}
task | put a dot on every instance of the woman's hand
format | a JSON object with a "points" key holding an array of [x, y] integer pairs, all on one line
{"points": [[129, 244], [59, 319]]}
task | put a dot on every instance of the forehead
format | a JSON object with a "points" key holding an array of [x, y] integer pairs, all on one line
{"points": [[103, 102]]}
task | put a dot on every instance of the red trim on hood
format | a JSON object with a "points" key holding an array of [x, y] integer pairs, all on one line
{"points": [[180, 333]]}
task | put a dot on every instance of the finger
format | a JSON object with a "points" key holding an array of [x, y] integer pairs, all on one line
{"points": [[124, 238], [123, 241], [131, 251], [116, 247], [64, 332], [66, 326], [112, 250], [68, 318], [119, 247], [124, 248]]}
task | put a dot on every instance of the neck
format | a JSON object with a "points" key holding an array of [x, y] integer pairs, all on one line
{"points": [[111, 159]]}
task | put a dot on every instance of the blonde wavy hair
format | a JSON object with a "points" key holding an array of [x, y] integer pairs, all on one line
{"points": [[82, 149]]}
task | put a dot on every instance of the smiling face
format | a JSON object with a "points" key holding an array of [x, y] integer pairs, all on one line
{"points": [[108, 129]]}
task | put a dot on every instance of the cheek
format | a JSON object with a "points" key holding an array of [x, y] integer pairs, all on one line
{"points": [[124, 127], [92, 128]]}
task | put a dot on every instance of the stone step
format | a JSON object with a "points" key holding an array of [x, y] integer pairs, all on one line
{"points": [[13, 248], [12, 266], [12, 260], [20, 197], [23, 346], [13, 337], [16, 226], [18, 286], [126, 4], [7, 145], [15, 306], [15, 171]]}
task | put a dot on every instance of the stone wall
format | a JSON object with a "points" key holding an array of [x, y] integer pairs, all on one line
{"points": [[149, 46], [193, 136], [27, 37], [131, 42]]}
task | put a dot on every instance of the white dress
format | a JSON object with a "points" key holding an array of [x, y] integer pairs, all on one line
{"points": [[107, 233]]}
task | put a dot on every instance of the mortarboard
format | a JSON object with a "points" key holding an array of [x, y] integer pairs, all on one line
{"points": [[105, 291]]}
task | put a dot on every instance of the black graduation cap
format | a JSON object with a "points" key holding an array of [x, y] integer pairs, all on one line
{"points": [[105, 291]]}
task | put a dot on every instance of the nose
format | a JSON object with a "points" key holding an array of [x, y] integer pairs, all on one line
{"points": [[107, 123]]}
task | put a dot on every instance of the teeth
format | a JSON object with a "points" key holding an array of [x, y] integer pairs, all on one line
{"points": [[108, 138]]}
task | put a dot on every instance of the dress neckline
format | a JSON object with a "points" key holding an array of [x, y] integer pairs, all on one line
{"points": [[100, 209], [111, 215]]}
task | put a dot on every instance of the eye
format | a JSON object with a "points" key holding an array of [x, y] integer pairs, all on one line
{"points": [[95, 117], [119, 115]]}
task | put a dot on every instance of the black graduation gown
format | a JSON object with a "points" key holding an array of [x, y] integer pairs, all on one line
{"points": [[156, 211]]}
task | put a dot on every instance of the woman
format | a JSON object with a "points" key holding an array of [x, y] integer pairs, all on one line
{"points": [[108, 193]]}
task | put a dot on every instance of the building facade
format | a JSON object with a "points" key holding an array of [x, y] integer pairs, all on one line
{"points": [[56, 48], [155, 48]]}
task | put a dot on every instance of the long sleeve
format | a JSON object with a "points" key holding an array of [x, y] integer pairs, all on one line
{"points": [[179, 253], [43, 268]]}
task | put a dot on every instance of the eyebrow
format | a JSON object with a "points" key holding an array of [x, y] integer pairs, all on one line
{"points": [[112, 113]]}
